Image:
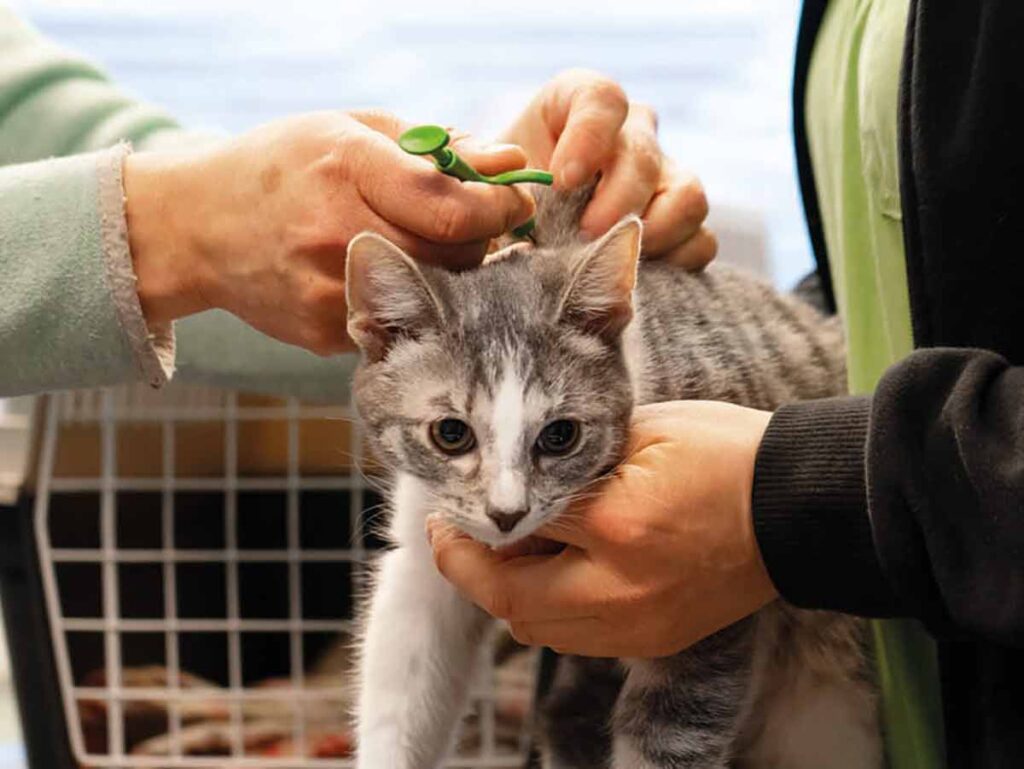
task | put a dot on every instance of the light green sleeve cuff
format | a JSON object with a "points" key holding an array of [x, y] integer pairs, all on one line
{"points": [[70, 315]]}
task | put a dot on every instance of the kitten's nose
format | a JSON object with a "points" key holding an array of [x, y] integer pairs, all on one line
{"points": [[506, 520]]}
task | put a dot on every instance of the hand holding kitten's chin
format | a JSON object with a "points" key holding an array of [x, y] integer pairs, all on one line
{"points": [[662, 557]]}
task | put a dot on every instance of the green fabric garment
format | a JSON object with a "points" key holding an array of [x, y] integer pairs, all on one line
{"points": [[58, 325], [851, 116]]}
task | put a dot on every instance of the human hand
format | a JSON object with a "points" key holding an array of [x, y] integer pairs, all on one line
{"points": [[581, 123], [259, 225], [661, 557]]}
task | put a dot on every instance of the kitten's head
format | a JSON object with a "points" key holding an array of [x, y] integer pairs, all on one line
{"points": [[504, 388]]}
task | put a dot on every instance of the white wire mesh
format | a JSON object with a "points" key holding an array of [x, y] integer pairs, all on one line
{"points": [[199, 608]]}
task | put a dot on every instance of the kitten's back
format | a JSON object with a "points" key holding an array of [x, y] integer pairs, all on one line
{"points": [[722, 334]]}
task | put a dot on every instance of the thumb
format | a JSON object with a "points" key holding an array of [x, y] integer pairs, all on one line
{"points": [[381, 121], [489, 159]]}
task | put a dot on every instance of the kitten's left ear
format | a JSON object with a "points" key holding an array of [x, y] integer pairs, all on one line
{"points": [[599, 297], [388, 296]]}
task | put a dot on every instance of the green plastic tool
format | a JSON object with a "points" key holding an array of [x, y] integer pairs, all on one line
{"points": [[433, 140]]}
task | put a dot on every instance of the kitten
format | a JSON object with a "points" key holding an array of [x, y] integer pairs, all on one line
{"points": [[495, 394]]}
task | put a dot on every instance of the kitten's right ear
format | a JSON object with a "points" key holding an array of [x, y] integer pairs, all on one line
{"points": [[388, 296], [599, 297]]}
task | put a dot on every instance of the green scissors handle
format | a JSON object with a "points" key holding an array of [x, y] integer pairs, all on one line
{"points": [[433, 140]]}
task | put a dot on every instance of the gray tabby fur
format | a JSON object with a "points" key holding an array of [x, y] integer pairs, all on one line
{"points": [[786, 688]]}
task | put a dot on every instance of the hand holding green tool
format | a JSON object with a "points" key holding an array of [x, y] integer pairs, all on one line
{"points": [[433, 140]]}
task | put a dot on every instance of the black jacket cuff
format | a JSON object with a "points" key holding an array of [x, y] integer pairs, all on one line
{"points": [[810, 509]]}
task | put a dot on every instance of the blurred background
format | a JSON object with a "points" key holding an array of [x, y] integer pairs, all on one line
{"points": [[717, 71]]}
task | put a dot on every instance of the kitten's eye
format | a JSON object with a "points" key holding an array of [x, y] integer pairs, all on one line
{"points": [[560, 437], [452, 436]]}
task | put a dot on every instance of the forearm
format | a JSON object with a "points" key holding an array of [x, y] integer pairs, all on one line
{"points": [[909, 505]]}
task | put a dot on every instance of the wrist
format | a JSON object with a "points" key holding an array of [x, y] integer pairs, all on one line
{"points": [[762, 587], [168, 280]]}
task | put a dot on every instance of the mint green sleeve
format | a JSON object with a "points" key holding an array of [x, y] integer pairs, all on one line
{"points": [[69, 313]]}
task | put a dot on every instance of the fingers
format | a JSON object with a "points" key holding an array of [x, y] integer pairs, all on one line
{"points": [[585, 110], [411, 194], [675, 214], [587, 636], [451, 256], [633, 178], [489, 159], [696, 253], [536, 587]]}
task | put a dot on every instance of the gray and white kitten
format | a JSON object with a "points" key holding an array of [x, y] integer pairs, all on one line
{"points": [[496, 394]]}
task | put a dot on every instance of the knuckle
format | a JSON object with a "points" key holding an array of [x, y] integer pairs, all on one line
{"points": [[349, 157], [349, 161], [694, 201], [377, 118], [452, 219], [522, 633], [622, 532], [315, 296], [441, 560], [606, 92], [709, 246], [577, 76], [499, 603], [645, 111], [647, 157]]}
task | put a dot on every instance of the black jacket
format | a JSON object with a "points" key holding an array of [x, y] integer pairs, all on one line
{"points": [[911, 503]]}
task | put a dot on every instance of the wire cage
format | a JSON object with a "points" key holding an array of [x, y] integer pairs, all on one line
{"points": [[201, 553]]}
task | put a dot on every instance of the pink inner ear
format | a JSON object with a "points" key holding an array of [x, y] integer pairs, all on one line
{"points": [[599, 299], [370, 337], [389, 296]]}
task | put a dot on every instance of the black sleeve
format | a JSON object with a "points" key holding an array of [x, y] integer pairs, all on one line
{"points": [[907, 504]]}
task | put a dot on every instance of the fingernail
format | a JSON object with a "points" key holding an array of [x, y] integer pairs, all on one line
{"points": [[430, 523], [573, 175]]}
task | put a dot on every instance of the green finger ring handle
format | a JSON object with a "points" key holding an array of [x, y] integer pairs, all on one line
{"points": [[433, 140]]}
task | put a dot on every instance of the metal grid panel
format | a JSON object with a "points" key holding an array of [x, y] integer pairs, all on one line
{"points": [[154, 570]]}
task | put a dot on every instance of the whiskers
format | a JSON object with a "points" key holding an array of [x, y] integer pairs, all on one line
{"points": [[571, 517], [372, 520], [582, 494]]}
